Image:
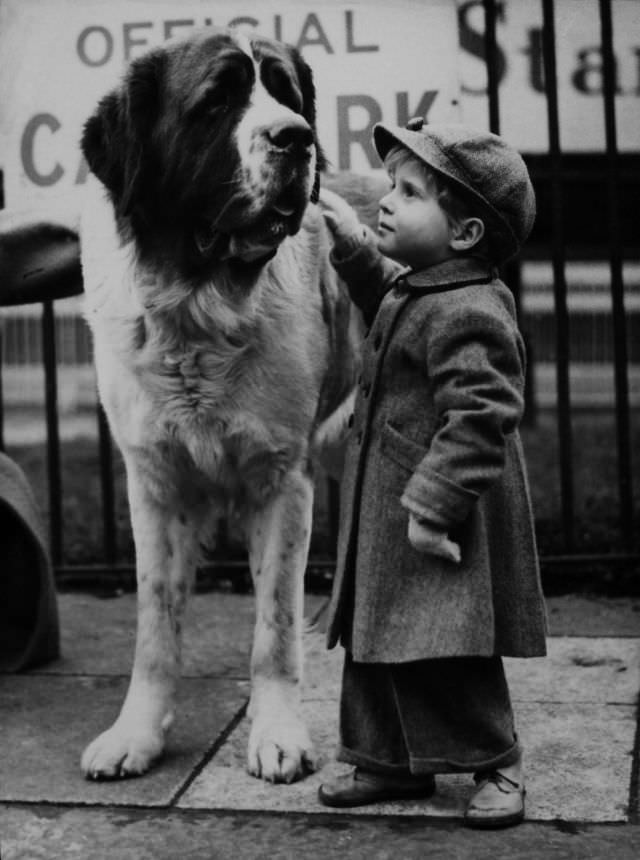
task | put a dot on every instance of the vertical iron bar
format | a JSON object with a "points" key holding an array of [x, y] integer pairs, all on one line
{"points": [[559, 278], [491, 53], [2, 446], [53, 434], [105, 450], [617, 285], [512, 270]]}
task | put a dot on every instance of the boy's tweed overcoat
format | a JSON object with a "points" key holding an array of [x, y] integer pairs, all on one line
{"points": [[435, 431]]}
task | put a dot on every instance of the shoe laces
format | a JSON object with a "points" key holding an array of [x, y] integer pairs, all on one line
{"points": [[496, 777]]}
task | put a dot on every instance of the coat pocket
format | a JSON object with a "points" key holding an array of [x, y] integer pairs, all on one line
{"points": [[397, 447]]}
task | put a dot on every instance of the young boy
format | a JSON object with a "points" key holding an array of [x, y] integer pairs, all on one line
{"points": [[437, 575]]}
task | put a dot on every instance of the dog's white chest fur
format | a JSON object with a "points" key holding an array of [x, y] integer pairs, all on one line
{"points": [[188, 379]]}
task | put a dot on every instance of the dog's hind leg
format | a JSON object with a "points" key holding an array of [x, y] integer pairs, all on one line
{"points": [[166, 556], [280, 749]]}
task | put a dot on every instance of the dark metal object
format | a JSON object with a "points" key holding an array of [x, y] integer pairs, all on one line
{"points": [[617, 286], [39, 261], [1, 398], [53, 438], [491, 53], [559, 279]]}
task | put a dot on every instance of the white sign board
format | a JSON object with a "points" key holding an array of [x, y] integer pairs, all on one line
{"points": [[371, 61], [523, 108]]}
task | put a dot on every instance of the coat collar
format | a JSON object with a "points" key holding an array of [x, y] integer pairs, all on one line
{"points": [[459, 272]]}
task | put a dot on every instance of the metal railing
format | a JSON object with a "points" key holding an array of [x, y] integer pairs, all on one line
{"points": [[571, 554], [227, 563]]}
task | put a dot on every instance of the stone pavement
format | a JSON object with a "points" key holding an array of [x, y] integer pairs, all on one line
{"points": [[577, 714]]}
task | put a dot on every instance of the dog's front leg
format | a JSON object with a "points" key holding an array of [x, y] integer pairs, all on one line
{"points": [[280, 749], [165, 558]]}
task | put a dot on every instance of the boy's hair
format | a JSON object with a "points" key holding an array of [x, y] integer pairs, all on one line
{"points": [[455, 205]]}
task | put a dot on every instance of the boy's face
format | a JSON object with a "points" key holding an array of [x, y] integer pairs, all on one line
{"points": [[412, 226]]}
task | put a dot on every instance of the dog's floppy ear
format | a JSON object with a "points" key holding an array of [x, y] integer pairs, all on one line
{"points": [[115, 138], [308, 90]]}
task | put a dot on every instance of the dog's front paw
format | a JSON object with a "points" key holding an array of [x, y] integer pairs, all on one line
{"points": [[280, 749], [121, 751]]}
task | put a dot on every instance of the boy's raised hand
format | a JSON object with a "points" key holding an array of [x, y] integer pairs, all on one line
{"points": [[342, 220], [425, 538]]}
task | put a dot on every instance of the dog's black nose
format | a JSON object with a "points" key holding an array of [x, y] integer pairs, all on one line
{"points": [[291, 135]]}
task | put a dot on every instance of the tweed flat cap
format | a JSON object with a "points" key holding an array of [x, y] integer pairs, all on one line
{"points": [[486, 168]]}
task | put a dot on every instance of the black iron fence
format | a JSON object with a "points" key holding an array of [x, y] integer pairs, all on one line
{"points": [[572, 421]]}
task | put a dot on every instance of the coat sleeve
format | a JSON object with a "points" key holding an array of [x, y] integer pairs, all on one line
{"points": [[476, 367], [367, 273]]}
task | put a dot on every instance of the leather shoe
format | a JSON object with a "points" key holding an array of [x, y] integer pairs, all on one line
{"points": [[497, 802], [359, 787]]}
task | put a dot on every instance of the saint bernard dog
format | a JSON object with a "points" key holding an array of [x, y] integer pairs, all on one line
{"points": [[226, 353]]}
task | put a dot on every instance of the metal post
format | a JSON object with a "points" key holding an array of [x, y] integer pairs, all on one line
{"points": [[1, 343], [617, 285], [53, 434], [491, 48], [565, 433]]}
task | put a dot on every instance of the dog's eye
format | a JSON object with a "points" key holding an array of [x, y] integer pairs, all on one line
{"points": [[207, 98], [217, 97], [234, 81], [226, 87], [282, 85]]}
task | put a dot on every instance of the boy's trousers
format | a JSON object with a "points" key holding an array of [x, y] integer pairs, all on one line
{"points": [[428, 716]]}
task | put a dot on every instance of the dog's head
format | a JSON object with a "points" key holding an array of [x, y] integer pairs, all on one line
{"points": [[209, 149]]}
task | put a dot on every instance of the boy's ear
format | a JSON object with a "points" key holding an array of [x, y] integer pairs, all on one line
{"points": [[466, 234]]}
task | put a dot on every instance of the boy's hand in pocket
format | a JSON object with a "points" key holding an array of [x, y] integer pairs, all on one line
{"points": [[427, 538]]}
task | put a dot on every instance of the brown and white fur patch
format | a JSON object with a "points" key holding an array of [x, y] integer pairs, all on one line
{"points": [[225, 351]]}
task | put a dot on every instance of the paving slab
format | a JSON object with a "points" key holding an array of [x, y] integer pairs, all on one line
{"points": [[579, 669], [50, 833], [578, 769], [593, 615], [49, 720], [579, 760], [224, 783], [575, 712], [575, 709]]}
